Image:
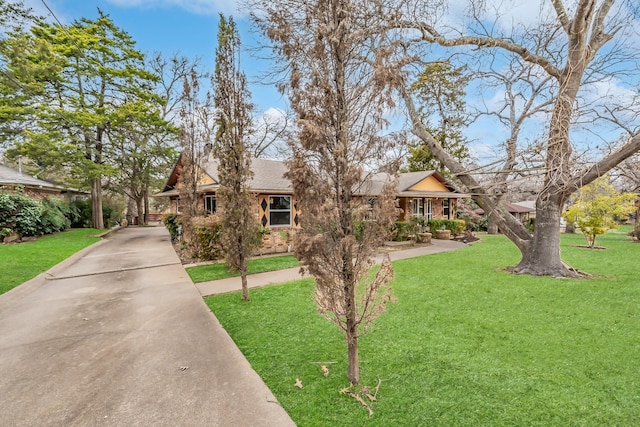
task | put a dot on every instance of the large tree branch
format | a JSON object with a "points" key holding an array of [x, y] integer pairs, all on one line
{"points": [[598, 35], [604, 165], [431, 35], [562, 15], [509, 225]]}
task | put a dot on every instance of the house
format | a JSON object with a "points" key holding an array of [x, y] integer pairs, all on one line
{"points": [[522, 211], [425, 194], [15, 180], [420, 194]]}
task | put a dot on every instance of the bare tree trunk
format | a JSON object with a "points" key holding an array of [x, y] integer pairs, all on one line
{"points": [[96, 203], [543, 255], [353, 373], [492, 225]]}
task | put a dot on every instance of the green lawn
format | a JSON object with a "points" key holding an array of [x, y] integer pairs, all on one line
{"points": [[204, 273], [24, 261], [466, 344]]}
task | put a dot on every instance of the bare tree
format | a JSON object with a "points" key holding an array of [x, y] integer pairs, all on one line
{"points": [[270, 134], [195, 133], [526, 96], [569, 49], [239, 223], [340, 96]]}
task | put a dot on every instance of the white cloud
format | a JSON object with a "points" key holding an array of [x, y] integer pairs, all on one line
{"points": [[200, 7]]}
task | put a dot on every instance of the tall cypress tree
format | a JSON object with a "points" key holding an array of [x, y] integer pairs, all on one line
{"points": [[231, 99]]}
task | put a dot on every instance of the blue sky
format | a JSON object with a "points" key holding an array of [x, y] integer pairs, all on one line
{"points": [[170, 26]]}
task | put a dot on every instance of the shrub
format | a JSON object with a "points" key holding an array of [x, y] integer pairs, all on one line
{"points": [[55, 216], [402, 230], [80, 213], [207, 231], [20, 214], [28, 217], [456, 226], [172, 222]]}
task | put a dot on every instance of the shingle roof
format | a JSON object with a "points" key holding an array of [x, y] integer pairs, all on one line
{"points": [[11, 176], [268, 175]]}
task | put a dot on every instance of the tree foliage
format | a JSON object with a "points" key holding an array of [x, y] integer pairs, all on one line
{"points": [[233, 119], [339, 96], [84, 84], [599, 208], [440, 91]]}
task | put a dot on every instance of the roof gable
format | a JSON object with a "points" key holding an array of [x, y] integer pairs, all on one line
{"points": [[429, 183], [172, 182]]}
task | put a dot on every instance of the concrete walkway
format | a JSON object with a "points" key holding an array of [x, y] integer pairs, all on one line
{"points": [[281, 276], [118, 335]]}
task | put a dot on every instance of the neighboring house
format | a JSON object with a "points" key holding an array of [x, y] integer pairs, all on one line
{"points": [[425, 194], [522, 211], [15, 180]]}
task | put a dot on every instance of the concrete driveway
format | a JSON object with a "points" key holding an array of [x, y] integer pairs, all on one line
{"points": [[119, 336]]}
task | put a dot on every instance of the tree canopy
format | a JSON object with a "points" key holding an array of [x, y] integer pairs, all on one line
{"points": [[82, 104], [598, 208]]}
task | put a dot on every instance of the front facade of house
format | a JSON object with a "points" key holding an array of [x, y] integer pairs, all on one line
{"points": [[420, 194]]}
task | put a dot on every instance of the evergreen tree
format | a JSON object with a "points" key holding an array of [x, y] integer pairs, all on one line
{"points": [[78, 79], [233, 119], [440, 89]]}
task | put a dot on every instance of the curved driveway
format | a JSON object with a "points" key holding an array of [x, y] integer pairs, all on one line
{"points": [[119, 336]]}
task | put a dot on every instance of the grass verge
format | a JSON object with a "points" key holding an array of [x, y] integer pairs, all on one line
{"points": [[24, 261], [204, 273], [466, 343]]}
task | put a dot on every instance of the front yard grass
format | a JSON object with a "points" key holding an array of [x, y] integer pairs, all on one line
{"points": [[24, 261], [466, 343], [204, 273]]}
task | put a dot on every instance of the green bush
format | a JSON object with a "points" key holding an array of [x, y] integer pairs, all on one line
{"points": [[172, 222], [28, 217], [19, 214], [402, 231], [456, 226], [55, 216], [530, 224], [207, 230], [80, 213]]}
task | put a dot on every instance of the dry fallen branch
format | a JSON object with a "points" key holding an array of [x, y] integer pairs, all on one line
{"points": [[364, 391], [358, 398]]}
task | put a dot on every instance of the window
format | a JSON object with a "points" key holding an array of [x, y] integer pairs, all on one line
{"points": [[428, 210], [446, 212], [418, 207], [210, 203], [279, 210]]}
